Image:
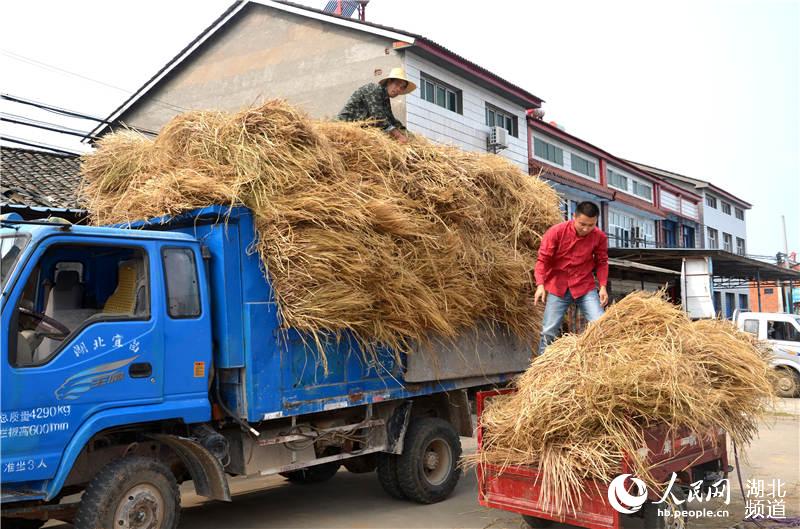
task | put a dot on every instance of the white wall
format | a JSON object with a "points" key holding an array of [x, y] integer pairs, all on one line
{"points": [[722, 222], [468, 130]]}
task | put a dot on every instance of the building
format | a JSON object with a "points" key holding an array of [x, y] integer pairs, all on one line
{"points": [[264, 49], [37, 183], [638, 210], [724, 228], [777, 297]]}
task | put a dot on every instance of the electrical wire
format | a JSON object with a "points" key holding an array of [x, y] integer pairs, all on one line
{"points": [[38, 145], [50, 67]]}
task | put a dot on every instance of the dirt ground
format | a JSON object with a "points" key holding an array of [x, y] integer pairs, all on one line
{"points": [[356, 501]]}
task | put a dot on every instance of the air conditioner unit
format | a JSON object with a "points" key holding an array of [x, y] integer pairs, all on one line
{"points": [[497, 139]]}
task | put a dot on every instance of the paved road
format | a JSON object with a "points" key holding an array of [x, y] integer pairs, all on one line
{"points": [[357, 501]]}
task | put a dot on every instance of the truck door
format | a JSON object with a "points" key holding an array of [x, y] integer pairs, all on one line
{"points": [[81, 338]]}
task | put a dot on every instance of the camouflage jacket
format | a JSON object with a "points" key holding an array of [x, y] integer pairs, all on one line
{"points": [[370, 102]]}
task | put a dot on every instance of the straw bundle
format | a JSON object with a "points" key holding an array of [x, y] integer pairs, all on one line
{"points": [[583, 404], [393, 243]]}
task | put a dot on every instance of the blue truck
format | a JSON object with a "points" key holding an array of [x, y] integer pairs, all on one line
{"points": [[137, 357]]}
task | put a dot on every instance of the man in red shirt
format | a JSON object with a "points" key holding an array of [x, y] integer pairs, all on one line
{"points": [[570, 252]]}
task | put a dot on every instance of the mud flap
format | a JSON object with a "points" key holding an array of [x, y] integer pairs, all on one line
{"points": [[205, 469]]}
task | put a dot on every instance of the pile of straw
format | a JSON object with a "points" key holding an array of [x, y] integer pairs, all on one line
{"points": [[584, 402], [393, 243]]}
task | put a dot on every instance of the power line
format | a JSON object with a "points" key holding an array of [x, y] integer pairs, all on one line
{"points": [[47, 66], [27, 122], [37, 145], [66, 112]]}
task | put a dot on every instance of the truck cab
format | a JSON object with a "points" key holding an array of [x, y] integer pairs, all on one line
{"points": [[136, 357], [782, 331]]}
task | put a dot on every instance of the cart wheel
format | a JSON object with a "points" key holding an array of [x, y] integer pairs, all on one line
{"points": [[787, 382], [387, 475], [536, 523], [131, 493], [428, 469]]}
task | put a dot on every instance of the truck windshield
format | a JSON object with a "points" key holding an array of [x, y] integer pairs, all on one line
{"points": [[11, 246]]}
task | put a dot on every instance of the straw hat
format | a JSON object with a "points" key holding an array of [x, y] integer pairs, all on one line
{"points": [[399, 74]]}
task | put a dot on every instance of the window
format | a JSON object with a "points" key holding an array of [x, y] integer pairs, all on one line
{"points": [[500, 118], [743, 303], [751, 326], [782, 330], [617, 180], [548, 151], [626, 231], [711, 201], [713, 239], [726, 208], [727, 242], [71, 287], [643, 190], [439, 93], [183, 295], [769, 291], [740, 250], [583, 166], [739, 213], [11, 247], [718, 303]]}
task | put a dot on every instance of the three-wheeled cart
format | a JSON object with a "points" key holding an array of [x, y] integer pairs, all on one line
{"points": [[517, 488]]}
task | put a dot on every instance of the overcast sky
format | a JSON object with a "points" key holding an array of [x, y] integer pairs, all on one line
{"points": [[709, 89]]}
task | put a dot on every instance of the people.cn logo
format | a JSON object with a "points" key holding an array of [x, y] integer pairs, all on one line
{"points": [[623, 501]]}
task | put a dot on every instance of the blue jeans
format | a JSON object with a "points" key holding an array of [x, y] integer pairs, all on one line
{"points": [[556, 307]]}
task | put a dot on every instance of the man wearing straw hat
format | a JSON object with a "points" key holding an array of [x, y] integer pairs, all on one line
{"points": [[570, 254], [371, 103]]}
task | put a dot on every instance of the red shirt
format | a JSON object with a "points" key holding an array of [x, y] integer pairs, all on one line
{"points": [[567, 261]]}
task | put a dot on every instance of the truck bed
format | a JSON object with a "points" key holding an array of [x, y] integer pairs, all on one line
{"points": [[267, 372]]}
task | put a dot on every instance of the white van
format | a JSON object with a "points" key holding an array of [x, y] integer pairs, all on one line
{"points": [[782, 330]]}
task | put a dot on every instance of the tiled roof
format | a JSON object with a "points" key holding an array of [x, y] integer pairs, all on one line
{"points": [[38, 178]]}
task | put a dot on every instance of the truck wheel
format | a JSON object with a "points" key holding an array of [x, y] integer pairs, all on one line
{"points": [[387, 475], [787, 383], [428, 468], [131, 493]]}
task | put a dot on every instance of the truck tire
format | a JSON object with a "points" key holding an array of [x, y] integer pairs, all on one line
{"points": [[387, 475], [428, 469], [787, 382], [131, 493]]}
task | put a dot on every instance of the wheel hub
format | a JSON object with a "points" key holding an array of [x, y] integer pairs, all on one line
{"points": [[436, 461], [431, 460], [142, 507]]}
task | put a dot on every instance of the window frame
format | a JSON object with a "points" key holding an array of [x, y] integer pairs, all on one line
{"points": [[438, 84], [99, 317], [726, 208], [715, 232], [506, 114], [556, 149], [794, 331], [739, 213], [727, 242], [589, 163], [743, 246], [751, 320], [164, 250], [711, 201]]}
